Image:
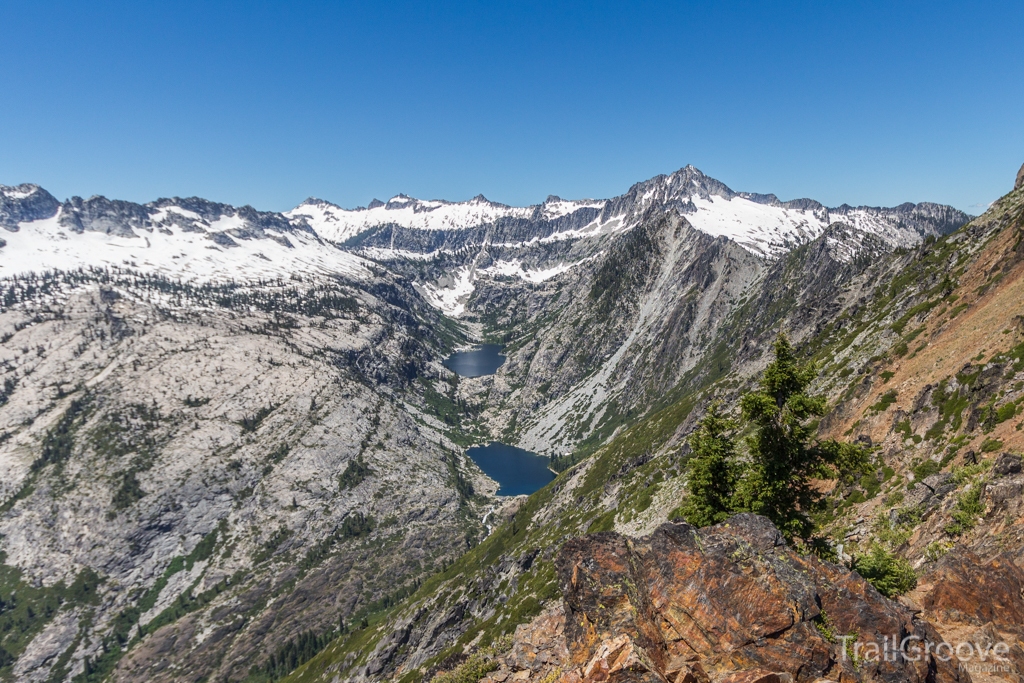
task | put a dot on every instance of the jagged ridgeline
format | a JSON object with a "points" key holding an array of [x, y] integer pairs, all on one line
{"points": [[230, 450]]}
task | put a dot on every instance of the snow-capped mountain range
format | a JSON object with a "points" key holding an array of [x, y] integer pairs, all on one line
{"points": [[338, 225], [182, 239], [761, 223], [198, 240]]}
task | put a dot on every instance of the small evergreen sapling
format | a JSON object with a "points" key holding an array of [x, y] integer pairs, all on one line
{"points": [[889, 573], [784, 457], [712, 478]]}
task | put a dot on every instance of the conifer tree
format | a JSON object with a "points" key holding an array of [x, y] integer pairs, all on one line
{"points": [[783, 458], [712, 475]]}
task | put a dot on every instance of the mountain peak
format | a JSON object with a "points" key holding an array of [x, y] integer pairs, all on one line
{"points": [[24, 203], [400, 200], [314, 201], [19, 191]]}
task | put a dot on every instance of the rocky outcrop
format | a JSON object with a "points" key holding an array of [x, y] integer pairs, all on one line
{"points": [[1020, 178], [978, 604], [965, 588], [729, 603], [538, 651], [25, 203]]}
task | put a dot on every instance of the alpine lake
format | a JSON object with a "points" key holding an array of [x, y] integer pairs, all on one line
{"points": [[517, 471]]}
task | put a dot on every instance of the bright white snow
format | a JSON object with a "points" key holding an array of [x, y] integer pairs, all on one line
{"points": [[760, 228], [451, 293], [16, 193], [191, 256], [337, 225]]}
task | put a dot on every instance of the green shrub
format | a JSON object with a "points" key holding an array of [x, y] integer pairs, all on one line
{"points": [[962, 475], [279, 453], [825, 626], [894, 532], [936, 550], [894, 499], [991, 445], [1006, 412], [250, 423], [925, 469], [966, 512], [890, 574], [355, 473], [128, 492], [884, 401], [870, 484], [478, 665]]}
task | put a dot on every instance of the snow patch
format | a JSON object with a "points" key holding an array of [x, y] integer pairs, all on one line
{"points": [[760, 228], [451, 293], [16, 193]]}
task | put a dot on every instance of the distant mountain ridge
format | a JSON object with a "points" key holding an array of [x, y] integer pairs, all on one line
{"points": [[337, 224], [688, 190], [194, 239], [189, 239]]}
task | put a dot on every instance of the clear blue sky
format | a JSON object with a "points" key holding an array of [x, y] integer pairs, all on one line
{"points": [[267, 103]]}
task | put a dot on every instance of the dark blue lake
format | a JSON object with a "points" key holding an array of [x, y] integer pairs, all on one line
{"points": [[516, 470], [481, 360]]}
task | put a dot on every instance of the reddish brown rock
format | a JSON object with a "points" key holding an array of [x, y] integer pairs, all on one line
{"points": [[619, 660], [732, 601], [755, 676], [538, 652], [963, 588]]}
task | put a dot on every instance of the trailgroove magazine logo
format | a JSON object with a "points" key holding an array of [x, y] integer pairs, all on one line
{"points": [[972, 657]]}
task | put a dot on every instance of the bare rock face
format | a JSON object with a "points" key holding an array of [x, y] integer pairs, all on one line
{"points": [[964, 588], [978, 602], [731, 602], [538, 651], [308, 483], [1020, 178], [25, 203]]}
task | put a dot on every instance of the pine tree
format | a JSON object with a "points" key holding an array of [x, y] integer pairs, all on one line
{"points": [[712, 473], [784, 459]]}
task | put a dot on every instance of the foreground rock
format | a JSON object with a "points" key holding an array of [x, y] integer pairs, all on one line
{"points": [[980, 602], [730, 603]]}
